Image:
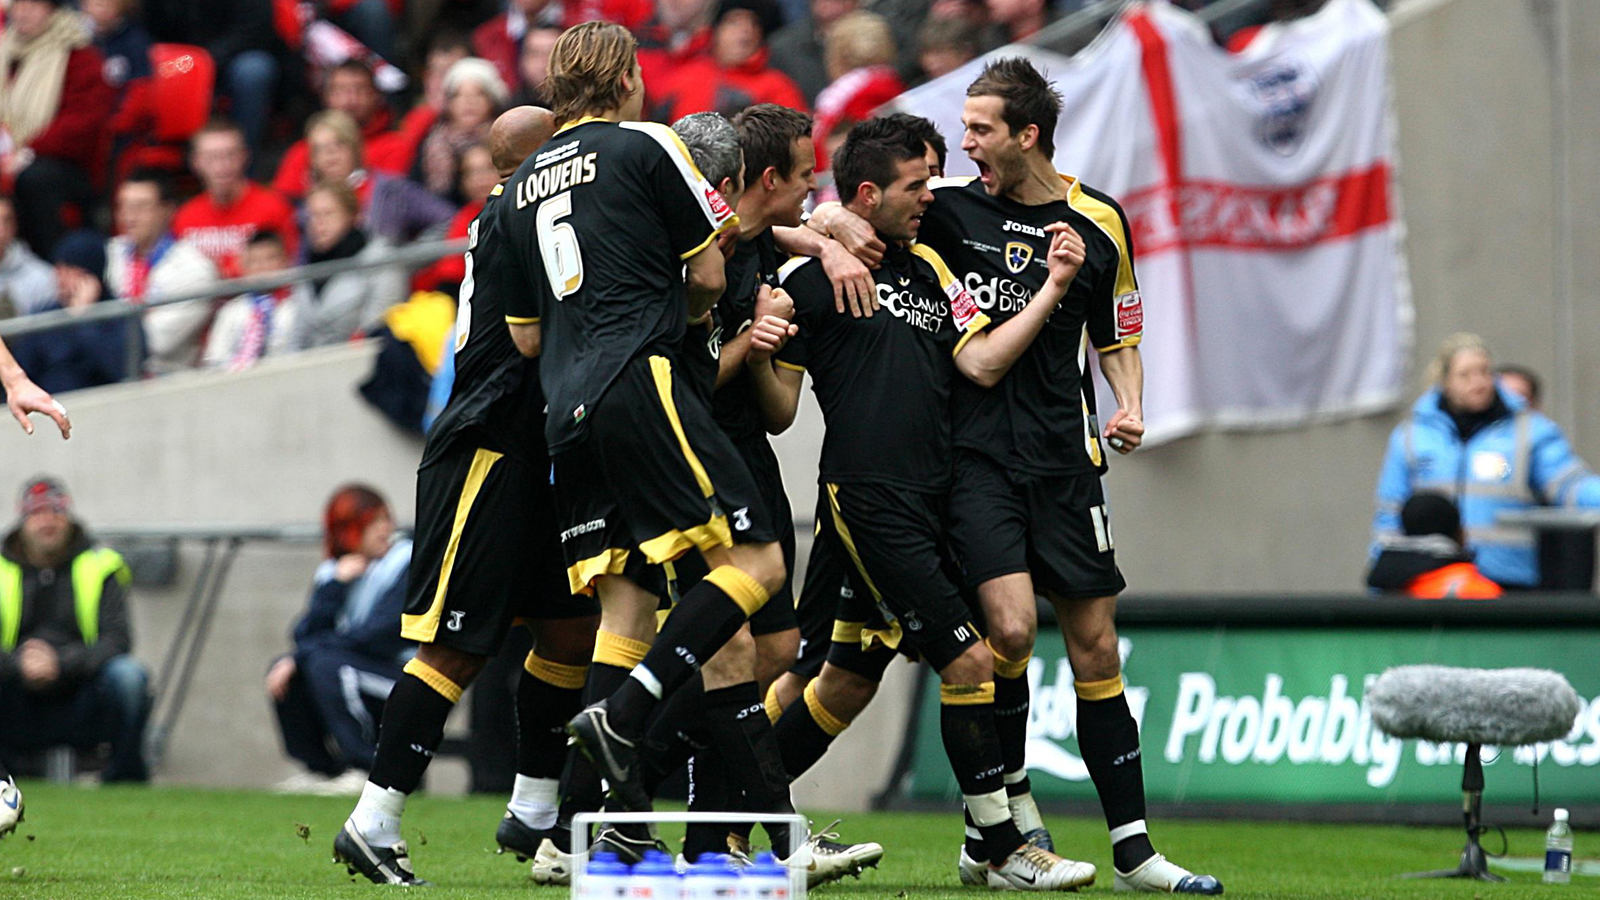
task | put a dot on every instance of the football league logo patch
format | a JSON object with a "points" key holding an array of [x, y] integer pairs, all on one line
{"points": [[1018, 255]]}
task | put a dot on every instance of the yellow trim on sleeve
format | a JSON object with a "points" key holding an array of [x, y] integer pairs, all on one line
{"points": [[831, 725], [1009, 669], [966, 694], [616, 650], [661, 371], [522, 320], [740, 588], [731, 222], [790, 366], [932, 257], [976, 325], [434, 678], [560, 675], [422, 628], [1098, 690], [1121, 345], [581, 574], [1105, 217]]}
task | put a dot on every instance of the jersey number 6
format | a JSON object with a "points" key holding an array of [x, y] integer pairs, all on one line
{"points": [[558, 245]]}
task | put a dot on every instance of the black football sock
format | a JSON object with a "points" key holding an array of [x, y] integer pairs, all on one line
{"points": [[710, 613], [710, 790], [614, 657], [413, 726], [966, 723], [744, 737], [1108, 739], [1011, 704], [549, 694], [805, 731], [675, 734], [977, 850]]}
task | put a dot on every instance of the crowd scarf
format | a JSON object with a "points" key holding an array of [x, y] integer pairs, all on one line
{"points": [[257, 329], [353, 242], [28, 101], [140, 267]]}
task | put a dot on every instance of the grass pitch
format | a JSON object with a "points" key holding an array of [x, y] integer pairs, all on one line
{"points": [[87, 844]]}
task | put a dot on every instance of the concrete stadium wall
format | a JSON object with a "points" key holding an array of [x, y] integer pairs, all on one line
{"points": [[1484, 112]]}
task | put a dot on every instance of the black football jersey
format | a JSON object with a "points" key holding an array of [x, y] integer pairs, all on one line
{"points": [[496, 388], [1041, 417], [884, 382], [602, 218]]}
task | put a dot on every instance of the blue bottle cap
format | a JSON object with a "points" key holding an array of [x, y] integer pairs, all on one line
{"points": [[655, 868], [656, 856]]}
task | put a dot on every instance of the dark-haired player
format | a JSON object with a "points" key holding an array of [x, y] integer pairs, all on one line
{"points": [[486, 555], [884, 384], [1028, 510]]}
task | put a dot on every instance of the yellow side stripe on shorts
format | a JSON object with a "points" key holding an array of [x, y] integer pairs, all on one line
{"points": [[966, 694], [434, 678], [559, 675], [424, 627], [849, 542], [661, 371]]}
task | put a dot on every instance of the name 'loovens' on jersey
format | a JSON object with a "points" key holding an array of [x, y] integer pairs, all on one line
{"points": [[555, 179]]}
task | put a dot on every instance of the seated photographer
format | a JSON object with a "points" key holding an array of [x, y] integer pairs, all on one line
{"points": [[1428, 561], [329, 692]]}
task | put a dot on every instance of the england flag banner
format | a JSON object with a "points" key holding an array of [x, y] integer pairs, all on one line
{"points": [[1260, 188]]}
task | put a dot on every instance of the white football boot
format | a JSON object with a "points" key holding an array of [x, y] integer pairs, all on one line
{"points": [[1033, 868], [1157, 875], [10, 806]]}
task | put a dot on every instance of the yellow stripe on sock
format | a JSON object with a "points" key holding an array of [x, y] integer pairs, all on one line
{"points": [[1099, 690], [773, 706], [966, 694], [435, 679], [560, 675], [831, 724], [1008, 668], [616, 650], [740, 588]]}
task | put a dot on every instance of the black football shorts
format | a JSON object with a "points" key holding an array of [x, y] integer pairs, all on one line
{"points": [[655, 477], [485, 551], [826, 583], [1057, 527]]}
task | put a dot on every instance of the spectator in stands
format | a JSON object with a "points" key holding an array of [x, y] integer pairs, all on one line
{"points": [[500, 39], [1472, 441], [679, 32], [797, 48], [369, 21], [1429, 561], [1018, 20], [125, 44], [147, 261], [446, 49], [350, 89], [26, 283], [474, 96], [944, 45], [533, 67], [392, 208], [232, 208], [263, 323], [243, 42], [54, 103], [736, 74], [329, 692], [478, 178], [860, 55], [65, 673], [1523, 382], [346, 305], [86, 355]]}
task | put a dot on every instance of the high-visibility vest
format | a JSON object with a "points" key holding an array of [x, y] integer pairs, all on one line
{"points": [[90, 569]]}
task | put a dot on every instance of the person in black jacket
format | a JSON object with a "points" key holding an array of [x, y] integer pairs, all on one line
{"points": [[329, 692], [65, 673], [87, 355]]}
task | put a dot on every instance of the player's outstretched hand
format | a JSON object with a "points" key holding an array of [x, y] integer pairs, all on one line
{"points": [[767, 337], [1066, 253], [857, 235], [25, 397], [852, 280], [771, 301], [1125, 432]]}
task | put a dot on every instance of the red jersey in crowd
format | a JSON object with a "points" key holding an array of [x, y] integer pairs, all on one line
{"points": [[499, 40], [222, 232], [383, 150], [700, 85], [661, 53]]}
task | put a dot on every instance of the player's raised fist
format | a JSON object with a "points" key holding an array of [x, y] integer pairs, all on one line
{"points": [[1066, 253], [771, 301], [767, 336]]}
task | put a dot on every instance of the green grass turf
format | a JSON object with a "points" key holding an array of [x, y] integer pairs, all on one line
{"points": [[89, 843]]}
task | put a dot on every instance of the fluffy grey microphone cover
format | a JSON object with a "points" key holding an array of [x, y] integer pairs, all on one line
{"points": [[1510, 707]]}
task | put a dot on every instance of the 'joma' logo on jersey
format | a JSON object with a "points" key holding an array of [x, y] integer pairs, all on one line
{"points": [[1020, 228], [1018, 255]]}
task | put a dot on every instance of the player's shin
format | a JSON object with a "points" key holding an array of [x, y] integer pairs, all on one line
{"points": [[1011, 707], [745, 739], [614, 657], [706, 617], [966, 723], [548, 694], [413, 727], [1108, 738]]}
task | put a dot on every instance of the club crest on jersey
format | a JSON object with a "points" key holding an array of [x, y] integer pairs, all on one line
{"points": [[1018, 255]]}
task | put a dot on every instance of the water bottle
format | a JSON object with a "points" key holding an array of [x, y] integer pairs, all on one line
{"points": [[766, 879], [1558, 850], [605, 878], [656, 878], [711, 878]]}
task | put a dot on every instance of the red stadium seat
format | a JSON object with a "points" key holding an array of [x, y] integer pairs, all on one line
{"points": [[184, 79]]}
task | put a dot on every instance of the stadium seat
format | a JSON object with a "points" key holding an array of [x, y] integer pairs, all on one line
{"points": [[185, 79]]}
